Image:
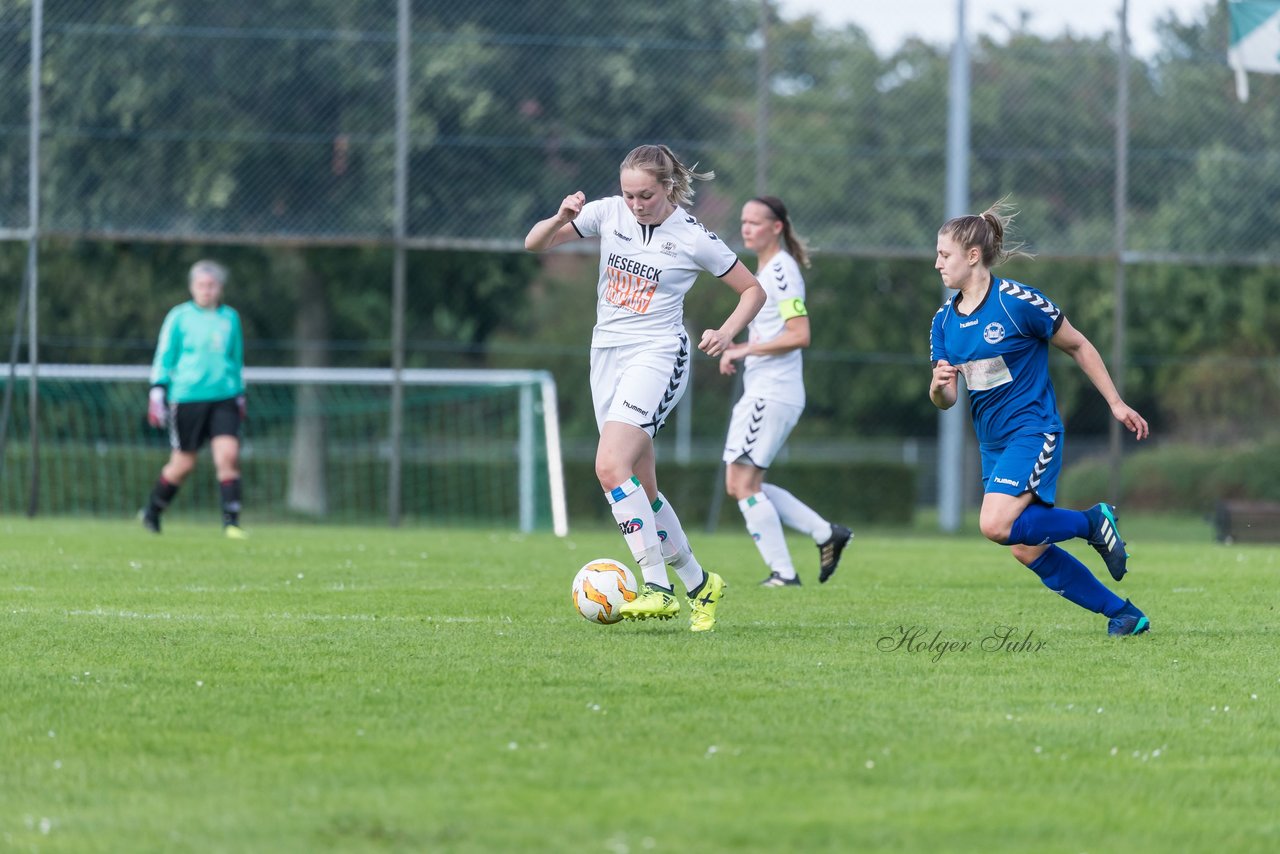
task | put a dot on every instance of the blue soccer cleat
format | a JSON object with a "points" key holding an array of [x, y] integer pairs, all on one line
{"points": [[1105, 538], [1128, 621]]}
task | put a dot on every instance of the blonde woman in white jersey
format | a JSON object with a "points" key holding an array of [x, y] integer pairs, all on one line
{"points": [[651, 251], [773, 398]]}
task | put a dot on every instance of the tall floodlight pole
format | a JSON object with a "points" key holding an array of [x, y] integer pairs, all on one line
{"points": [[1118, 347], [399, 262], [951, 422], [33, 243]]}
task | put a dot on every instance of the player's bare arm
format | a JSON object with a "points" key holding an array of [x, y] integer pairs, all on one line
{"points": [[750, 298], [557, 229], [794, 336], [942, 389], [1071, 341]]}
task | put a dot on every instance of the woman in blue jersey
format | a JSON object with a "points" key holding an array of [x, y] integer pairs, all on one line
{"points": [[997, 332], [197, 389], [651, 252], [773, 398]]}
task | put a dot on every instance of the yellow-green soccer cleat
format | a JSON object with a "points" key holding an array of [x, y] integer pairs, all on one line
{"points": [[703, 618], [234, 532], [653, 603]]}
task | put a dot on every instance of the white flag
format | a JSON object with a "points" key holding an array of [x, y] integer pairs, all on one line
{"points": [[1255, 40]]}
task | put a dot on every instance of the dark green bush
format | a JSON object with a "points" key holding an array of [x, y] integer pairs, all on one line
{"points": [[852, 493], [1179, 478]]}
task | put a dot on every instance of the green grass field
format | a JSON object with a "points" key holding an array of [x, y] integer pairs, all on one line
{"points": [[358, 689]]}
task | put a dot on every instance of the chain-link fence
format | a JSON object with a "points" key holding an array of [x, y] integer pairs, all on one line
{"points": [[277, 119], [280, 136]]}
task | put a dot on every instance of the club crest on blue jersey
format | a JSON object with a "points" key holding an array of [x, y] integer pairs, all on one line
{"points": [[993, 333]]}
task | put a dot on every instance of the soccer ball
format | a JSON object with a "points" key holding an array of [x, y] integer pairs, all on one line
{"points": [[600, 588]]}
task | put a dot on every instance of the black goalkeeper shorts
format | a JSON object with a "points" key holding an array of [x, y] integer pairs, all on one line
{"points": [[193, 424]]}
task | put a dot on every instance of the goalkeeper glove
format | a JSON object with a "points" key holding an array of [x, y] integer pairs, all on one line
{"points": [[157, 412]]}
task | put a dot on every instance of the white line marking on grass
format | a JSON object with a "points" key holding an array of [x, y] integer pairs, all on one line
{"points": [[281, 616]]}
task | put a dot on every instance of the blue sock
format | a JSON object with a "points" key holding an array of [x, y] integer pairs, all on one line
{"points": [[1039, 525], [1072, 580]]}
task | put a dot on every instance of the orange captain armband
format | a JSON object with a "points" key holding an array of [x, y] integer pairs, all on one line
{"points": [[790, 308]]}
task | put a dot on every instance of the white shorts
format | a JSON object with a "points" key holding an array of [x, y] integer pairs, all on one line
{"points": [[639, 384], [758, 430]]}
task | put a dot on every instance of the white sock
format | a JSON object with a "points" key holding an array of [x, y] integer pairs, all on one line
{"points": [[766, 529], [634, 516], [675, 545], [796, 514]]}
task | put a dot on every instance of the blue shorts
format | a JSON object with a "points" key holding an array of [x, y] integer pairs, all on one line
{"points": [[1030, 462]]}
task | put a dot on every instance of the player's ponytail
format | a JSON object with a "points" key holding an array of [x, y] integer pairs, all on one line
{"points": [[796, 245], [987, 231], [662, 163]]}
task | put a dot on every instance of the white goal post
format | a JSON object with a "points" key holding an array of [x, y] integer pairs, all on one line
{"points": [[536, 391]]}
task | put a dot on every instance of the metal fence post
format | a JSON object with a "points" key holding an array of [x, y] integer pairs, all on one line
{"points": [[951, 421]]}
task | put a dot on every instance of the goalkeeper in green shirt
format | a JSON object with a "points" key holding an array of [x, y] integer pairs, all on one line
{"points": [[197, 391]]}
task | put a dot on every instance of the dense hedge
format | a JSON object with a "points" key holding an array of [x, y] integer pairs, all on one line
{"points": [[851, 493], [87, 481], [1181, 478], [78, 480]]}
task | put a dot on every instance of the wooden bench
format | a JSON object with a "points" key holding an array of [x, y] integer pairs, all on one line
{"points": [[1248, 521]]}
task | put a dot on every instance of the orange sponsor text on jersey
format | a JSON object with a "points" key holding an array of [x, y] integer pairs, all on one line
{"points": [[628, 290]]}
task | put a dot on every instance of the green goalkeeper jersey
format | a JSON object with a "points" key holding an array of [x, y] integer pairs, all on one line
{"points": [[200, 354]]}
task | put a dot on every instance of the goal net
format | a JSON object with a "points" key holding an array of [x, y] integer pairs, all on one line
{"points": [[478, 447]]}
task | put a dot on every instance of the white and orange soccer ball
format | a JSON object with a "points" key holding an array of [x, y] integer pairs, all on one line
{"points": [[600, 588]]}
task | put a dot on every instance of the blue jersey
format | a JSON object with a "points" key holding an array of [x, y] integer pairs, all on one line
{"points": [[1002, 348]]}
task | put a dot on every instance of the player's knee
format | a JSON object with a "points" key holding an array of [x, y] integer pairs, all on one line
{"points": [[609, 473], [178, 467], [741, 481], [995, 529], [226, 459]]}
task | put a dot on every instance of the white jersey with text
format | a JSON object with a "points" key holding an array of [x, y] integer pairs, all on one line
{"points": [[780, 377], [645, 270]]}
